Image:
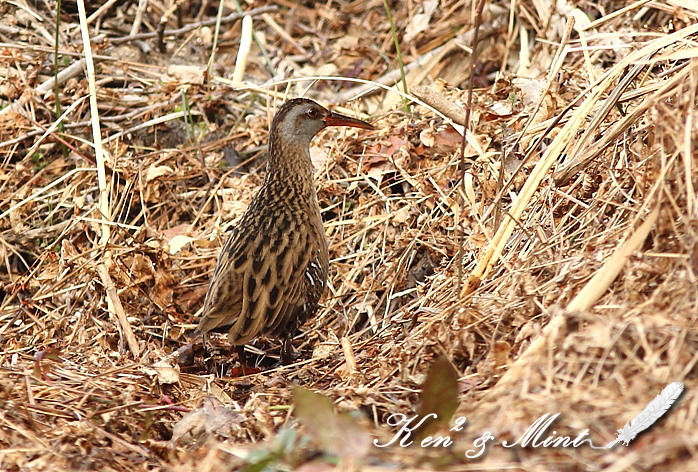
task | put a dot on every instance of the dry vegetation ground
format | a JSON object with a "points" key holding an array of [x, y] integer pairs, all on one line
{"points": [[580, 291]]}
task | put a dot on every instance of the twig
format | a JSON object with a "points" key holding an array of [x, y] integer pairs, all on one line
{"points": [[466, 124], [71, 71], [51, 129], [614, 14], [556, 66], [100, 11], [186, 29], [116, 308], [393, 76], [113, 301], [580, 159], [492, 253], [96, 129], [138, 19], [260, 45], [243, 51], [269, 20], [441, 103], [11, 236], [57, 102], [81, 124]]}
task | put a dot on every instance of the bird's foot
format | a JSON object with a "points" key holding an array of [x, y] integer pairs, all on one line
{"points": [[241, 358], [287, 354]]}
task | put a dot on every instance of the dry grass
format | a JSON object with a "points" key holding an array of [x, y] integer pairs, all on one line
{"points": [[580, 254]]}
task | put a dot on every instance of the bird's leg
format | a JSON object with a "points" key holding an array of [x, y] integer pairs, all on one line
{"points": [[241, 358], [287, 350]]}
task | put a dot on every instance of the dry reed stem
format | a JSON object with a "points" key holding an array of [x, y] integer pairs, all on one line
{"points": [[584, 300], [496, 246]]}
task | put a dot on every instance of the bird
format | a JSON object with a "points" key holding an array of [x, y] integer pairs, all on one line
{"points": [[272, 269]]}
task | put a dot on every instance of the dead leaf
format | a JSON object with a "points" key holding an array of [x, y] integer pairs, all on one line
{"points": [[178, 242], [212, 418], [318, 156], [439, 396], [420, 21], [426, 136], [165, 371], [163, 292], [496, 358], [49, 273], [338, 434], [402, 215], [42, 368], [187, 74], [157, 171], [448, 139], [394, 143], [141, 267], [501, 109], [377, 165], [170, 233]]}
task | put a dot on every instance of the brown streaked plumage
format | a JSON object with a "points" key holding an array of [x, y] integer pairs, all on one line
{"points": [[272, 269]]}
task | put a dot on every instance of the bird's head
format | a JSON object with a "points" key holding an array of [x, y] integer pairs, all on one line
{"points": [[298, 120]]}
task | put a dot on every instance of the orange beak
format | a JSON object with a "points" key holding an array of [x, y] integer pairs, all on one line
{"points": [[335, 119]]}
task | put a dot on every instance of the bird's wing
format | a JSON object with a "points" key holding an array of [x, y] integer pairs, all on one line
{"points": [[251, 278], [271, 285], [265, 282], [223, 303], [309, 275], [284, 316]]}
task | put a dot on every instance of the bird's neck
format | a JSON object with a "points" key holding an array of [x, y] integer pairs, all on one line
{"points": [[290, 165]]}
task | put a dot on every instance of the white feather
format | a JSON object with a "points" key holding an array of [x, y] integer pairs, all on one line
{"points": [[652, 412]]}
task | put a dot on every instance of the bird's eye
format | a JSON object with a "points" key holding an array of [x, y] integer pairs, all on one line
{"points": [[312, 113]]}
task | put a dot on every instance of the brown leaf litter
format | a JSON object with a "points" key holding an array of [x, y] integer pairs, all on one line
{"points": [[577, 204]]}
